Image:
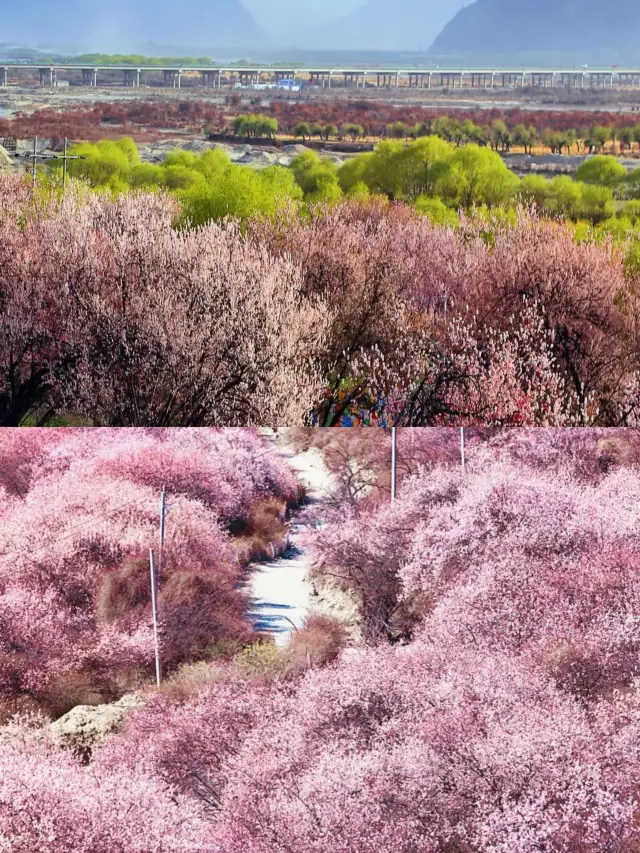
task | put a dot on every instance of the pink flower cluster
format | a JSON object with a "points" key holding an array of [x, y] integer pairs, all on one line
{"points": [[79, 510], [506, 721]]}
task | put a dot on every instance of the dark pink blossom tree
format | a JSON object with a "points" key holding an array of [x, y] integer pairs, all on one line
{"points": [[79, 513]]}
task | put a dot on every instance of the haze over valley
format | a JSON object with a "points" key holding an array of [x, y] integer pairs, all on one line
{"points": [[453, 32]]}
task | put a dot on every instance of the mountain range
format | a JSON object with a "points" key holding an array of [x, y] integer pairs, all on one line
{"points": [[381, 25], [582, 31], [450, 32], [123, 25]]}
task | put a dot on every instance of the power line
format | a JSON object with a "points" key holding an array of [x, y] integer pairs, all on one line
{"points": [[34, 157], [70, 533]]}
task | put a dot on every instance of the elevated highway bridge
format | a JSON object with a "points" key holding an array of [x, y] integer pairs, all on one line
{"points": [[218, 76]]}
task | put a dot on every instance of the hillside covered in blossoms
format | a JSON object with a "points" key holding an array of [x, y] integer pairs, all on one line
{"points": [[113, 314], [479, 695], [79, 510]]}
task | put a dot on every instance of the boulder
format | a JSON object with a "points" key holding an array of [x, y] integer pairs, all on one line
{"points": [[257, 159], [294, 149], [86, 726], [198, 146], [6, 161]]}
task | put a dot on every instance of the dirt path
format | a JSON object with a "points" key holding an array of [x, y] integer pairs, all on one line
{"points": [[279, 589]]}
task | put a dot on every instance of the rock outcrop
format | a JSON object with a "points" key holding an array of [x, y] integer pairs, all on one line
{"points": [[87, 726], [6, 162]]}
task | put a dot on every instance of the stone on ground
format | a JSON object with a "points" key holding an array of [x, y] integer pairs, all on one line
{"points": [[87, 726]]}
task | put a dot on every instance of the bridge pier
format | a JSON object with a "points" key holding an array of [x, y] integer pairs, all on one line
{"points": [[449, 79], [247, 78], [512, 81], [416, 79], [629, 79], [132, 77], [322, 79], [542, 80], [352, 78], [601, 80], [572, 81], [171, 78], [4, 77], [389, 80], [208, 79], [89, 76], [48, 77], [482, 81]]}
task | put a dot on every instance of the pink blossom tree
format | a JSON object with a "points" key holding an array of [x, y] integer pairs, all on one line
{"points": [[107, 309], [74, 554], [50, 802], [507, 719]]}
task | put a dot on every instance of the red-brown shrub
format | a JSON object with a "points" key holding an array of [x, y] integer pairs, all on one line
{"points": [[318, 643]]}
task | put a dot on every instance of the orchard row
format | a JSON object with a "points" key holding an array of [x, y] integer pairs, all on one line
{"points": [[113, 311]]}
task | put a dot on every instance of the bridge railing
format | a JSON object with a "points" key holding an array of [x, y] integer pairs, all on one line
{"points": [[217, 76]]}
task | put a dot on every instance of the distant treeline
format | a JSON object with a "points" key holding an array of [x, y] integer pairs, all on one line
{"points": [[135, 59], [496, 135], [376, 116]]}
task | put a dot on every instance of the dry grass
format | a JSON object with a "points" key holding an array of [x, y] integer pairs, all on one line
{"points": [[24, 705], [336, 443], [265, 532], [124, 590], [317, 643], [75, 688], [190, 680], [263, 660]]}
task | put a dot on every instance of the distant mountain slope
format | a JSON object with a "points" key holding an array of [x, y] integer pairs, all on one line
{"points": [[583, 30], [388, 25], [123, 25]]}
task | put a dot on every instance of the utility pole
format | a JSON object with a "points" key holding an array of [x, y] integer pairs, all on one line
{"points": [[394, 454], [163, 512], [154, 610], [64, 165], [34, 157], [462, 449]]}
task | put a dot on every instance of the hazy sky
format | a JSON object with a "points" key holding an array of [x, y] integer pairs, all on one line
{"points": [[290, 15]]}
